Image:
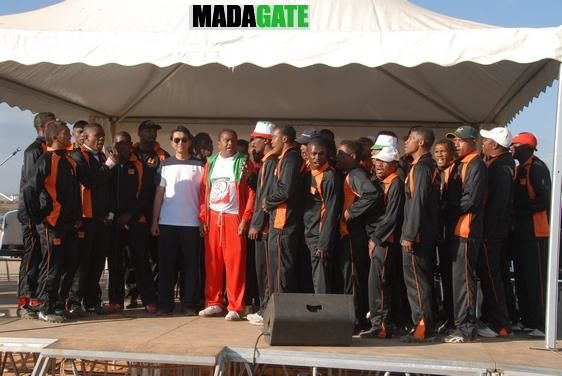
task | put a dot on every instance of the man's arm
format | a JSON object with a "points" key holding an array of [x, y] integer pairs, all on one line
{"points": [[287, 182], [541, 183], [500, 183], [390, 221], [368, 195], [331, 195], [417, 203], [474, 186]]}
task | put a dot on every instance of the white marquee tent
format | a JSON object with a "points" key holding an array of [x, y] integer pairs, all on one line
{"points": [[361, 63]]}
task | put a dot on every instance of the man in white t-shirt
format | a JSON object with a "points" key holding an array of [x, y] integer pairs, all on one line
{"points": [[227, 204], [176, 220]]}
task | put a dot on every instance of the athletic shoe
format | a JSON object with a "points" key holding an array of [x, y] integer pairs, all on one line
{"points": [[487, 332], [27, 313], [76, 311], [110, 308], [520, 327], [457, 337], [133, 304], [536, 333], [232, 316], [254, 317], [189, 312], [380, 333], [50, 317], [151, 308], [211, 311]]}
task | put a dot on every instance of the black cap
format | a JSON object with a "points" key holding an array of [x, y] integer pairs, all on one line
{"points": [[307, 135], [147, 124]]}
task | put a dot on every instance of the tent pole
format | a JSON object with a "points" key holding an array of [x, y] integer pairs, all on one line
{"points": [[554, 240]]}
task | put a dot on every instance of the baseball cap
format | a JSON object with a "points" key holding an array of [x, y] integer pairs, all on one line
{"points": [[465, 131], [525, 138], [501, 135], [387, 154], [263, 129], [307, 135], [147, 124], [385, 140]]}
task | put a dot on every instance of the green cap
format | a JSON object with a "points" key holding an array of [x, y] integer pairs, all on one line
{"points": [[466, 131]]}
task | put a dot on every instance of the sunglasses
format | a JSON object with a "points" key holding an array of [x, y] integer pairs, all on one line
{"points": [[183, 139]]}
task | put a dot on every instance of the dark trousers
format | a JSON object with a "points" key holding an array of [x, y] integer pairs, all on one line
{"points": [[93, 251], [489, 273], [136, 240], [418, 276], [179, 250], [251, 298], [506, 267], [531, 264], [351, 266], [58, 264], [380, 286], [400, 307], [283, 247], [29, 265], [262, 272], [319, 270], [464, 257], [445, 272]]}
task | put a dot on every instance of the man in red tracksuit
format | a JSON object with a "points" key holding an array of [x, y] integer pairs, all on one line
{"points": [[52, 197], [469, 183], [419, 231], [361, 199], [531, 232], [31, 257], [226, 211]]}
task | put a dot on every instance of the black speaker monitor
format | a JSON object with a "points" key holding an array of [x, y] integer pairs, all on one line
{"points": [[309, 320]]}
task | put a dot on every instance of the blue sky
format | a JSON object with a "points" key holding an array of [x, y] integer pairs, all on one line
{"points": [[16, 126]]}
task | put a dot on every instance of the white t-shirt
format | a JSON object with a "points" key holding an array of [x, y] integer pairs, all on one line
{"points": [[223, 196], [182, 180]]}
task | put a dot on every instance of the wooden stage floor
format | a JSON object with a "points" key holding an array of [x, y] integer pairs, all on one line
{"points": [[136, 336]]}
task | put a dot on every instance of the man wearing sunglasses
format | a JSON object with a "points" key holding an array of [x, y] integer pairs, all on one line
{"points": [[175, 219]]}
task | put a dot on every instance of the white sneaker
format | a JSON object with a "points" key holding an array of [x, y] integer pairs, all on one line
{"points": [[232, 316], [211, 311], [520, 327], [486, 331], [253, 317], [256, 319], [536, 333]]}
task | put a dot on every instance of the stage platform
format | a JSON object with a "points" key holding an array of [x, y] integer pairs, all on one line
{"points": [[135, 336]]}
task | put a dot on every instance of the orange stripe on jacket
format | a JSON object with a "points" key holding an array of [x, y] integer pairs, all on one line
{"points": [[349, 196], [540, 219], [462, 227], [51, 187], [318, 176]]}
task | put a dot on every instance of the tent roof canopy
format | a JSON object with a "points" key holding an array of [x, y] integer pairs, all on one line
{"points": [[364, 61]]}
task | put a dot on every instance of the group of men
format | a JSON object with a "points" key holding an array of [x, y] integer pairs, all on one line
{"points": [[289, 214]]}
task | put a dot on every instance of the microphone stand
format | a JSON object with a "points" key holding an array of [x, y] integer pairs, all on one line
{"points": [[10, 157]]}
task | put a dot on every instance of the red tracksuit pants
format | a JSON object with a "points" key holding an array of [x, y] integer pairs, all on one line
{"points": [[225, 250]]}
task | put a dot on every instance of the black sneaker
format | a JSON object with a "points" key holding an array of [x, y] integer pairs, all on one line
{"points": [[27, 313], [380, 333], [76, 312], [50, 317], [98, 310], [189, 311]]}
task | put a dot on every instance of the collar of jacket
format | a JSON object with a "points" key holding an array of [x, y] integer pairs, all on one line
{"points": [[324, 167], [239, 166]]}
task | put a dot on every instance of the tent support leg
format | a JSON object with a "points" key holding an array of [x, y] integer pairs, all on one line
{"points": [[554, 240]]}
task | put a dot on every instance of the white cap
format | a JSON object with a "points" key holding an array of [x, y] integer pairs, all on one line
{"points": [[501, 135], [387, 154], [263, 129], [385, 140]]}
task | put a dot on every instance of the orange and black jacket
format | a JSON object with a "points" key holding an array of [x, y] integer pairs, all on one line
{"points": [[322, 206], [421, 192], [95, 179], [499, 198], [52, 195], [471, 181], [385, 229], [532, 199], [449, 196], [151, 161], [130, 190], [361, 198], [285, 201], [30, 157], [264, 186]]}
